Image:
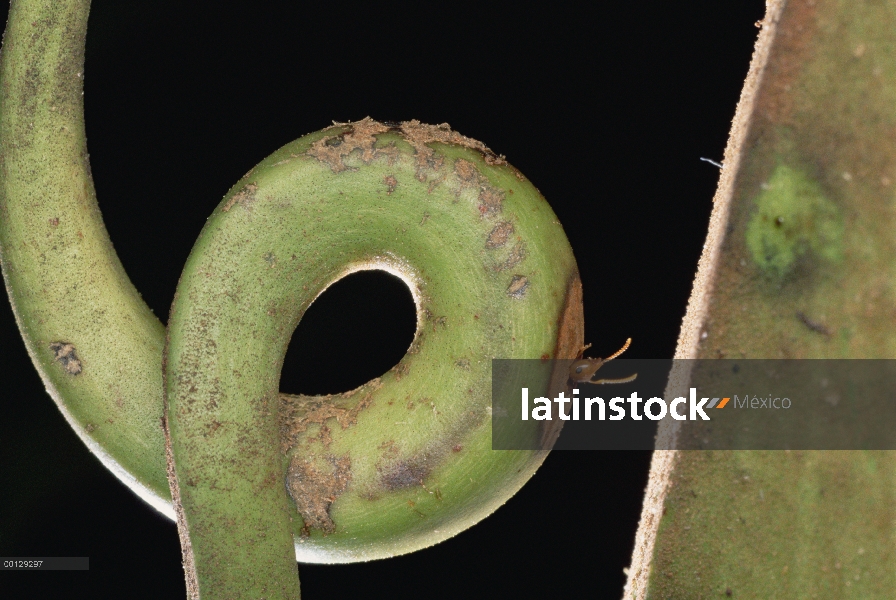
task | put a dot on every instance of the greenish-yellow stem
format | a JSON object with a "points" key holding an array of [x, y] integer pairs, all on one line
{"points": [[259, 478], [96, 344], [492, 276]]}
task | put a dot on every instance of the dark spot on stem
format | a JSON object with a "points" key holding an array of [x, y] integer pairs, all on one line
{"points": [[518, 286], [404, 474], [400, 370], [66, 355], [815, 326], [391, 184]]}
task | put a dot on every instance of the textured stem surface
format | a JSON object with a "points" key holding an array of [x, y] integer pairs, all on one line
{"points": [[95, 343], [259, 478], [492, 276]]}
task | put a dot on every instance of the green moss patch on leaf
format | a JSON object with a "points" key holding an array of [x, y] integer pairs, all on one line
{"points": [[793, 221]]}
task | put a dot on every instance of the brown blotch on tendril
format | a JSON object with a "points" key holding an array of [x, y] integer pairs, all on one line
{"points": [[314, 485], [66, 355], [499, 235], [518, 286]]}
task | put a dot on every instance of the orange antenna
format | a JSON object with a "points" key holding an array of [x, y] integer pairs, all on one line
{"points": [[623, 380], [620, 351], [582, 370]]}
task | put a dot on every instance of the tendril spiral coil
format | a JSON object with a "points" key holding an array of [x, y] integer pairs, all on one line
{"points": [[259, 478]]}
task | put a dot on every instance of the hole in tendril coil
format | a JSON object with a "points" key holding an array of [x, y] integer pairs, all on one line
{"points": [[358, 329]]}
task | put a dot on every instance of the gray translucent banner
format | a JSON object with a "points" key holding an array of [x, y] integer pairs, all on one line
{"points": [[721, 404]]}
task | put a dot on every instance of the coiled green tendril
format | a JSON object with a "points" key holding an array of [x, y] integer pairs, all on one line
{"points": [[260, 478]]}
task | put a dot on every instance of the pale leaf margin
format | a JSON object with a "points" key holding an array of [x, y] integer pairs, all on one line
{"points": [[663, 462]]}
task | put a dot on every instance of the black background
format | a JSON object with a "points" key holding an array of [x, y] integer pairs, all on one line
{"points": [[607, 109]]}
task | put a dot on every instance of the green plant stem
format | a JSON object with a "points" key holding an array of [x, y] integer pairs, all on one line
{"points": [[257, 477], [356, 197], [65, 282]]}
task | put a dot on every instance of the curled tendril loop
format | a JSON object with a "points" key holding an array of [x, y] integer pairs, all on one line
{"points": [[259, 478]]}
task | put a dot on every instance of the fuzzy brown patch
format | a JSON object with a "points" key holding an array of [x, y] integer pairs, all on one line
{"points": [[400, 370], [499, 234], [390, 450], [419, 136], [491, 198], [66, 355], [314, 485], [417, 133], [360, 136], [391, 184], [245, 197], [298, 412], [466, 172], [518, 286], [490, 202]]}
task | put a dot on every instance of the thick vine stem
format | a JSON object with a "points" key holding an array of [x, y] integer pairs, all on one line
{"points": [[260, 478], [95, 343], [492, 276]]}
